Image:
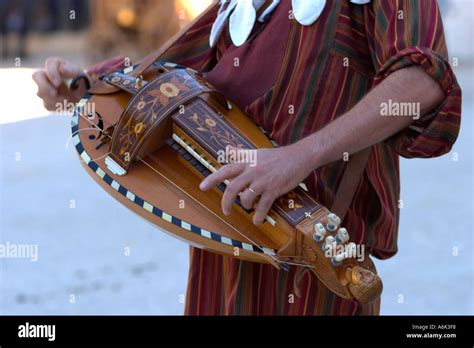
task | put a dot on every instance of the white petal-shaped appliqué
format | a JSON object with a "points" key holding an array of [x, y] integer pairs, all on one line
{"points": [[306, 12], [257, 4], [220, 22], [268, 10], [242, 15], [242, 21], [361, 2]]}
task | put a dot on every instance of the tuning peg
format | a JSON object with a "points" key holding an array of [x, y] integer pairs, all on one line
{"points": [[333, 222], [319, 232], [336, 260], [350, 252], [139, 82], [330, 243], [334, 219], [342, 235]]}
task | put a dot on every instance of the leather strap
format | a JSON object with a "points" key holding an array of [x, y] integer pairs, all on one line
{"points": [[349, 182], [101, 87]]}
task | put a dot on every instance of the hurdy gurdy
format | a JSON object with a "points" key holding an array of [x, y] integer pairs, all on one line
{"points": [[151, 133], [150, 140]]}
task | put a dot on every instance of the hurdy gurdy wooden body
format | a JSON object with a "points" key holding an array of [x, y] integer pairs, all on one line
{"points": [[150, 140]]}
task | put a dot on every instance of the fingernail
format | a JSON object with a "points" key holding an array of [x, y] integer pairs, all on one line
{"points": [[57, 83], [203, 185]]}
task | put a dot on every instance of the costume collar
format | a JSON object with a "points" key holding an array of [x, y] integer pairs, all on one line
{"points": [[242, 15]]}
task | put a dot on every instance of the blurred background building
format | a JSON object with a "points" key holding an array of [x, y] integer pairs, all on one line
{"points": [[46, 197], [111, 26]]}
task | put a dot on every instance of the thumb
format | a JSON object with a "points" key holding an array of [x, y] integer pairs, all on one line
{"points": [[69, 70]]}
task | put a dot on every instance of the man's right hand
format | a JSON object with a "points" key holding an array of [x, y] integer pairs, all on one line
{"points": [[51, 86]]}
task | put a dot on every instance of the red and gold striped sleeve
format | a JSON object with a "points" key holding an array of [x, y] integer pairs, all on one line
{"points": [[404, 33], [106, 67]]}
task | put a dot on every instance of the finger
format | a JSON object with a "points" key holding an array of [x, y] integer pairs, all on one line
{"points": [[248, 198], [263, 207], [239, 155], [226, 172], [45, 88], [52, 71], [67, 69], [232, 191], [49, 105]]}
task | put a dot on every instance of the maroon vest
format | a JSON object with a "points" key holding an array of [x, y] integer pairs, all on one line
{"points": [[245, 73]]}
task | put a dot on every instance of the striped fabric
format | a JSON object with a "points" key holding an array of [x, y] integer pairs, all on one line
{"points": [[323, 70]]}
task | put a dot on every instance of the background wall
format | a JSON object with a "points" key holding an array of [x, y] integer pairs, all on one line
{"points": [[96, 257]]}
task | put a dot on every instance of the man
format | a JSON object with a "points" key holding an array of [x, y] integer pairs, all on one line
{"points": [[325, 80]]}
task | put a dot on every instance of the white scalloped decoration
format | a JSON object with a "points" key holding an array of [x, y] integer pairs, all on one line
{"points": [[242, 16]]}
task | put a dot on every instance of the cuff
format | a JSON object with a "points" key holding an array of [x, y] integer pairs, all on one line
{"points": [[432, 134], [106, 67]]}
